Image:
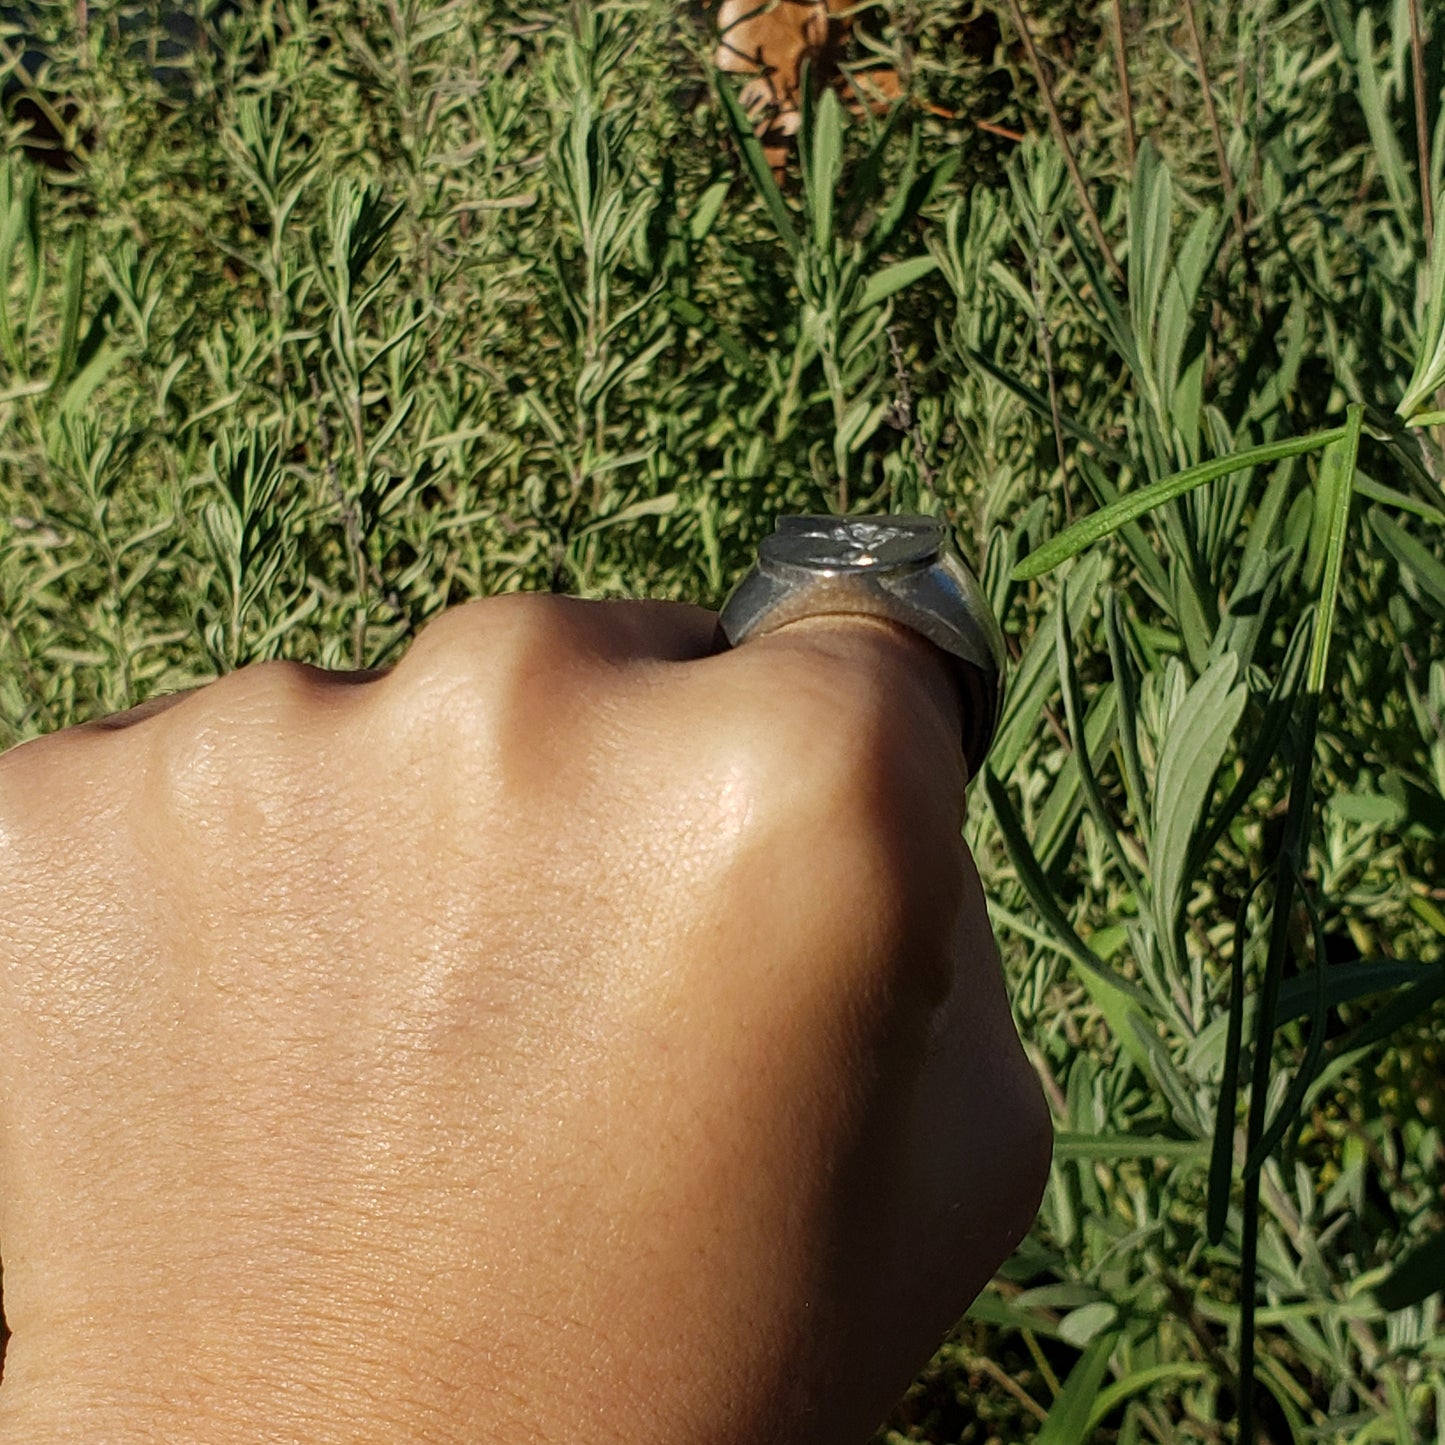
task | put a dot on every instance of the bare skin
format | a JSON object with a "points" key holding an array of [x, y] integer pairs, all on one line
{"points": [[569, 1034]]}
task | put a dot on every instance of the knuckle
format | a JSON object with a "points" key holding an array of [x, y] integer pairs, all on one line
{"points": [[58, 793], [859, 729], [239, 738], [265, 699], [496, 642], [479, 671]]}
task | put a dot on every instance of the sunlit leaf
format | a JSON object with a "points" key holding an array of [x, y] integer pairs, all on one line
{"points": [[1090, 529], [1191, 757]]}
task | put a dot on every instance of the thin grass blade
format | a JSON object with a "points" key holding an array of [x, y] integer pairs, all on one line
{"points": [[1088, 779], [1128, 684], [1090, 529], [1042, 896], [756, 164]]}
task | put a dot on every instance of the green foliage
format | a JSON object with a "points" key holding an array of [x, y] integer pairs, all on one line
{"points": [[345, 313]]}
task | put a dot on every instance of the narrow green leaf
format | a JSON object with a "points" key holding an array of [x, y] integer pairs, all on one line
{"points": [[1388, 155], [1123, 1019], [72, 298], [1088, 779], [1401, 501], [1413, 556], [1115, 324], [1037, 671], [1142, 550], [705, 213], [756, 164], [1192, 753], [1038, 403], [991, 1309], [1226, 1108], [1194, 612], [1086, 1323], [534, 403], [1134, 504], [1264, 742], [662, 506], [1056, 820], [1109, 1147], [23, 389], [1069, 1420], [891, 279], [866, 182], [1345, 982], [1150, 224], [1249, 613], [1288, 1111], [1393, 1016], [17, 206], [1336, 492], [909, 193], [1042, 896], [823, 155], [1128, 684], [82, 386], [1181, 1092], [1175, 1372], [1176, 320]]}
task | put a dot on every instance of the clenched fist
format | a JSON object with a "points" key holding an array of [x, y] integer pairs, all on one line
{"points": [[572, 1033]]}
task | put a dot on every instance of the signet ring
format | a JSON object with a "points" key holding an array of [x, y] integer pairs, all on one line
{"points": [[903, 568]]}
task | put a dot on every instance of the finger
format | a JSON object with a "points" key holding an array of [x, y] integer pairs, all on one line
{"points": [[980, 1139], [641, 630], [566, 630], [154, 706], [613, 631], [139, 713], [858, 637]]}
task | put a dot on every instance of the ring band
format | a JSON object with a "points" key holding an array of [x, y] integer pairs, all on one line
{"points": [[902, 568]]}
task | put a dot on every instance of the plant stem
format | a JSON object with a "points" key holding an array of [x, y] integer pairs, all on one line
{"points": [[1046, 346], [351, 525], [1121, 60], [1288, 866], [1226, 176], [1422, 123], [907, 418], [1061, 136], [1259, 1085]]}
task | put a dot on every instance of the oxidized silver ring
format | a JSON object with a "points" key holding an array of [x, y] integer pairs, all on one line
{"points": [[903, 568]]}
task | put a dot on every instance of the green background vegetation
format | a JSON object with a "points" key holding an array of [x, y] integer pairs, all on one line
{"points": [[346, 312]]}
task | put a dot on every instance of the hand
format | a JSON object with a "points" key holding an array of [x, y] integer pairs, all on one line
{"points": [[567, 1034]]}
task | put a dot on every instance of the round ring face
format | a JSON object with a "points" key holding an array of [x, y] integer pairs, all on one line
{"points": [[853, 544]]}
